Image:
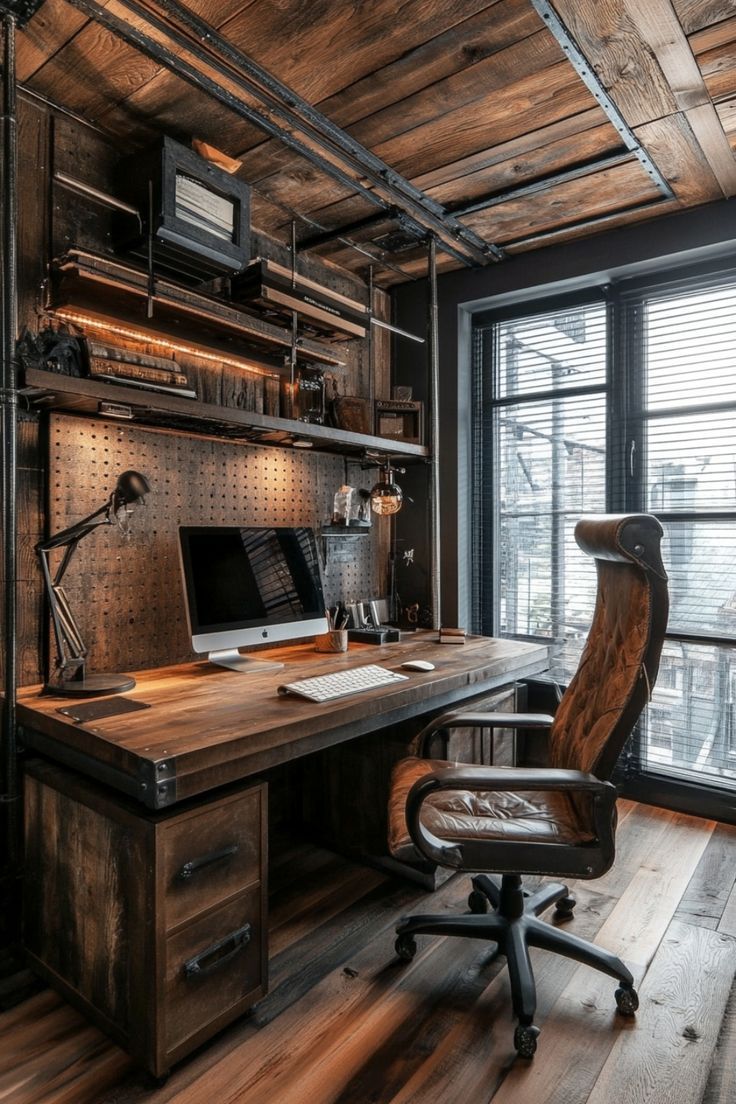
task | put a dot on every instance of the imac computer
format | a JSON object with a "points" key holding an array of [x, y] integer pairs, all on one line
{"points": [[250, 586]]}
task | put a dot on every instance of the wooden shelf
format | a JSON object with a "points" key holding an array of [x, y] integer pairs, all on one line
{"points": [[51, 390], [346, 530], [110, 293]]}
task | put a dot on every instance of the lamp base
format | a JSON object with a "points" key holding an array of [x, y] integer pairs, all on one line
{"points": [[92, 686]]}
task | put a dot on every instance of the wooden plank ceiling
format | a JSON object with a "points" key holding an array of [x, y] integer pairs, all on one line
{"points": [[476, 103]]}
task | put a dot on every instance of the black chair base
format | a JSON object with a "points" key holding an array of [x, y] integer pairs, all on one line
{"points": [[514, 925]]}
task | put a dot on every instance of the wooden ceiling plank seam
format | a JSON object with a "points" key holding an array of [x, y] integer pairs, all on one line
{"points": [[155, 49], [32, 39], [696, 15], [682, 159], [709, 133], [287, 103], [577, 123], [590, 78], [599, 222], [614, 189], [406, 112], [711, 37], [411, 67], [661, 33], [587, 168]]}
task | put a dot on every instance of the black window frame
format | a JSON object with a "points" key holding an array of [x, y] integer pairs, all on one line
{"points": [[625, 481]]}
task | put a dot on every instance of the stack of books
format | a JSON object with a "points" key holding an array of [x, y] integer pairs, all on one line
{"points": [[452, 636], [119, 365]]}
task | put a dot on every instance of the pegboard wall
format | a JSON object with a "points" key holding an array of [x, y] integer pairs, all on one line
{"points": [[127, 593]]}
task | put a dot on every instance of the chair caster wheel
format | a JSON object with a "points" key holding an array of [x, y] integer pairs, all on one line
{"points": [[477, 902], [405, 947], [627, 1000], [565, 906], [525, 1040]]}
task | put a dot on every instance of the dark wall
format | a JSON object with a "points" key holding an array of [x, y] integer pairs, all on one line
{"points": [[664, 244]]}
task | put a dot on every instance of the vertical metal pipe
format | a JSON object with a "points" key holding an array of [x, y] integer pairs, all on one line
{"points": [[369, 352], [434, 436], [8, 403]]}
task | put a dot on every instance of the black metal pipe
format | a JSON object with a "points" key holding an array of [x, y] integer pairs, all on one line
{"points": [[434, 435], [9, 403]]}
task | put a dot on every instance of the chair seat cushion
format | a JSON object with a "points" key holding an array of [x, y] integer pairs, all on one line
{"points": [[457, 815]]}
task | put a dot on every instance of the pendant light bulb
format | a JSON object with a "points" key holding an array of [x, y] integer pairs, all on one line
{"points": [[386, 496]]}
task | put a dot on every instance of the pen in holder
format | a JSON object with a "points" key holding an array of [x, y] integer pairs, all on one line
{"points": [[334, 641]]}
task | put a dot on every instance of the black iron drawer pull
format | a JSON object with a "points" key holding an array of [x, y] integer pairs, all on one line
{"points": [[190, 868], [240, 938]]}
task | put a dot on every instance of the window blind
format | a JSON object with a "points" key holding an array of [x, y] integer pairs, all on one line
{"points": [[685, 341]]}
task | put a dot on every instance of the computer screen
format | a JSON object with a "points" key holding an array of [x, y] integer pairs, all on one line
{"points": [[246, 585]]}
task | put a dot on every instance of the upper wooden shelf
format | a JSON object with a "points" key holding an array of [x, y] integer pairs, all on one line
{"points": [[52, 390], [109, 292]]}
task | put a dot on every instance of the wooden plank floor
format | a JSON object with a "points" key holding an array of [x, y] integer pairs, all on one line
{"points": [[346, 1024]]}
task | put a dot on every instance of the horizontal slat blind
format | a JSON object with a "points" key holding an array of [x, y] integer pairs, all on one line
{"points": [[548, 462], [688, 348]]}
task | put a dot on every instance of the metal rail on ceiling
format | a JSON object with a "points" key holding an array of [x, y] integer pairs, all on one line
{"points": [[312, 136], [589, 77]]}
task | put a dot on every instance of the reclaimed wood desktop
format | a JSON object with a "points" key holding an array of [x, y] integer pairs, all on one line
{"points": [[146, 863], [208, 727]]}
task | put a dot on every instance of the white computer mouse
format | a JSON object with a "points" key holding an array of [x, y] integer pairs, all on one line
{"points": [[418, 665]]}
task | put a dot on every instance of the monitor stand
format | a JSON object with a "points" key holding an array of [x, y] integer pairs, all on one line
{"points": [[234, 661]]}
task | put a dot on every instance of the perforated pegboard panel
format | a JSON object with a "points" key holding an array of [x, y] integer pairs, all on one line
{"points": [[127, 593]]}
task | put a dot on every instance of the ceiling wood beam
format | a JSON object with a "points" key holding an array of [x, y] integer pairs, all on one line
{"points": [[201, 56], [641, 57]]}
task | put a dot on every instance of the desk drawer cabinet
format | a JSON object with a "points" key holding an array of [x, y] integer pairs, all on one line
{"points": [[152, 923]]}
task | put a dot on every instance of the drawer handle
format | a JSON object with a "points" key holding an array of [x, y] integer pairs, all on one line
{"points": [[194, 967], [190, 868]]}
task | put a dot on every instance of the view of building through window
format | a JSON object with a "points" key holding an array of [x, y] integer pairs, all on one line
{"points": [[549, 452]]}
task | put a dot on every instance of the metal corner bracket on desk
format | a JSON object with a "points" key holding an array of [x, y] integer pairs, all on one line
{"points": [[153, 784]]}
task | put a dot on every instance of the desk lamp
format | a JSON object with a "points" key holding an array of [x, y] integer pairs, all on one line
{"points": [[70, 677]]}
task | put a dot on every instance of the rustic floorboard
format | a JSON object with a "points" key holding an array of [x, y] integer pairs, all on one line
{"points": [[346, 1024]]}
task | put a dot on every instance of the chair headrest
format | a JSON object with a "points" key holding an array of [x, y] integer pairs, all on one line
{"points": [[623, 538]]}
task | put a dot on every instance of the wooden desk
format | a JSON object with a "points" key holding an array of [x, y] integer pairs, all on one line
{"points": [[208, 727], [146, 864]]}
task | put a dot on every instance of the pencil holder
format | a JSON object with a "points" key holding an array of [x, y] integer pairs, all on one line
{"points": [[334, 641]]}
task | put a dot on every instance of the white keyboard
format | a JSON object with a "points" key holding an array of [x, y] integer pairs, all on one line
{"points": [[341, 684]]}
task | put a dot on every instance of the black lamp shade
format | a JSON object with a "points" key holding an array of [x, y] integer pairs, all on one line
{"points": [[131, 487]]}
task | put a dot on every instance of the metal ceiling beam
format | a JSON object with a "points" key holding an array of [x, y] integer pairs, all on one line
{"points": [[212, 61], [590, 79]]}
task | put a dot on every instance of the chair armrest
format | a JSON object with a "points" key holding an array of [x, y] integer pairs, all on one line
{"points": [[507, 779], [459, 719]]}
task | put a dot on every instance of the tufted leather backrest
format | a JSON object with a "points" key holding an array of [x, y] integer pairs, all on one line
{"points": [[620, 660]]}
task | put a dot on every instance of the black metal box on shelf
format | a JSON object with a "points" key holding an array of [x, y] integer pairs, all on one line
{"points": [[276, 290], [199, 215]]}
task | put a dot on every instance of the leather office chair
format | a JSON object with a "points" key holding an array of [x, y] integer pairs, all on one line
{"points": [[558, 820]]}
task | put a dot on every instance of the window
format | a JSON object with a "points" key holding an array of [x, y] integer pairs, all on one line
{"points": [[684, 353], [545, 443], [563, 429]]}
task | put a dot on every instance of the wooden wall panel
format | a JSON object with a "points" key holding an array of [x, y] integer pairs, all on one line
{"points": [[127, 593]]}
